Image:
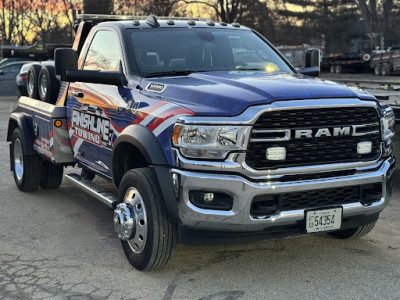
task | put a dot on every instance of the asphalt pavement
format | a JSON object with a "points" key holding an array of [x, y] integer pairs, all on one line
{"points": [[61, 244], [8, 88]]}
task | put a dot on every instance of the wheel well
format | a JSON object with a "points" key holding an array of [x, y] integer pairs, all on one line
{"points": [[12, 124], [126, 156]]}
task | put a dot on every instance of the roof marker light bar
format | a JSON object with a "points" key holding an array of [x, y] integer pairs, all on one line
{"points": [[96, 17]]}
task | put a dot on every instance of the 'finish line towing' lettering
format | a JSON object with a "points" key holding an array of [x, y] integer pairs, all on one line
{"points": [[90, 127]]}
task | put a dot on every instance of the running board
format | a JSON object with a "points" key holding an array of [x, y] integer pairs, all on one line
{"points": [[93, 189]]}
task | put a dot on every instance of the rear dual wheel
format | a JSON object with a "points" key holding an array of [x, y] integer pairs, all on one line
{"points": [[48, 85], [32, 81], [42, 83], [26, 168], [29, 171], [51, 175], [147, 234]]}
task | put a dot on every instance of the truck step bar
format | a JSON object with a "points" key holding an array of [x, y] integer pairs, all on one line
{"points": [[93, 189]]}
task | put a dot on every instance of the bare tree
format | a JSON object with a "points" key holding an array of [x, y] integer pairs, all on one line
{"points": [[226, 10], [378, 17], [8, 20]]}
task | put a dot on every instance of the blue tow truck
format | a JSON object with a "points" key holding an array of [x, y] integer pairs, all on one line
{"points": [[208, 134]]}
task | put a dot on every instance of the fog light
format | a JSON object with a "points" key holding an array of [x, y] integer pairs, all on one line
{"points": [[211, 200], [276, 153], [208, 197], [364, 147]]}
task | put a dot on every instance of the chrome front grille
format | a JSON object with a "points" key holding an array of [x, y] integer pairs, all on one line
{"points": [[277, 129]]}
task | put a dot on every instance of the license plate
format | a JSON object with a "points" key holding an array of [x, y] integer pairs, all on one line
{"points": [[323, 220]]}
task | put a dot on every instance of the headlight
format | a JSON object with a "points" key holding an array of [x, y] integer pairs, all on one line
{"points": [[212, 142], [388, 123]]}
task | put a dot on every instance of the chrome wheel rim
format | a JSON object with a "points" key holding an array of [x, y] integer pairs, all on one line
{"points": [[31, 83], [18, 160], [43, 86], [130, 220]]}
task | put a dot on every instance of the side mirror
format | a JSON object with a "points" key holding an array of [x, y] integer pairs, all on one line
{"points": [[65, 59], [312, 63], [313, 58], [101, 77], [311, 71]]}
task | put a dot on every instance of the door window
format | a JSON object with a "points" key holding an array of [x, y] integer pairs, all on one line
{"points": [[104, 52]]}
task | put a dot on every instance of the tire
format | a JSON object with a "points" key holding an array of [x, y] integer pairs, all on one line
{"points": [[51, 176], [26, 169], [332, 69], [32, 81], [48, 85], [149, 245], [353, 232], [338, 69], [378, 69], [385, 70]]}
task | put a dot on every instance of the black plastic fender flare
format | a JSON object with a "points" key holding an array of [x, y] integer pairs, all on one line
{"points": [[25, 124], [148, 145]]}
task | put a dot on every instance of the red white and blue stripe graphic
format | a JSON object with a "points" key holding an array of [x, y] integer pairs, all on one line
{"points": [[158, 118]]}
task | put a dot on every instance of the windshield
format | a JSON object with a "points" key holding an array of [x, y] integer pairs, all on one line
{"points": [[185, 50]]}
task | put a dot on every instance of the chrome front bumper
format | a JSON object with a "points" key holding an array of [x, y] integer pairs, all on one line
{"points": [[243, 191]]}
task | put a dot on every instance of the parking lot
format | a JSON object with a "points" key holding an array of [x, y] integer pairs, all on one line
{"points": [[61, 244]]}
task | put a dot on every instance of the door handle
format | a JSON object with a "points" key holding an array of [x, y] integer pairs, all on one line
{"points": [[77, 94]]}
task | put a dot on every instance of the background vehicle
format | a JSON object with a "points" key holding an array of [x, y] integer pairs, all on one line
{"points": [[6, 61], [385, 62], [11, 70], [42, 82], [37, 51], [357, 58], [207, 133]]}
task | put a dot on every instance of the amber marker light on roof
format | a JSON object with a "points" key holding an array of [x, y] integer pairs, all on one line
{"points": [[271, 67]]}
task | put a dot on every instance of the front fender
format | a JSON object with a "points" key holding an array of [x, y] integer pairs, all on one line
{"points": [[146, 143]]}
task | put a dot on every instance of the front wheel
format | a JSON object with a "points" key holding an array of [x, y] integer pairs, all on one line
{"points": [[141, 221], [353, 232]]}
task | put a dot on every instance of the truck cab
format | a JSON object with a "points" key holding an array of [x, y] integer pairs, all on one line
{"points": [[208, 133]]}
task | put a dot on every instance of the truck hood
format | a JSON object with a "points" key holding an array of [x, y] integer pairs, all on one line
{"points": [[230, 93]]}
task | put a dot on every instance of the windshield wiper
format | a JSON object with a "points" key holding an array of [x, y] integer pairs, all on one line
{"points": [[172, 73]]}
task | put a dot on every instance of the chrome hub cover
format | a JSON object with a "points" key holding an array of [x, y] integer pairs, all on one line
{"points": [[130, 220], [123, 221]]}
